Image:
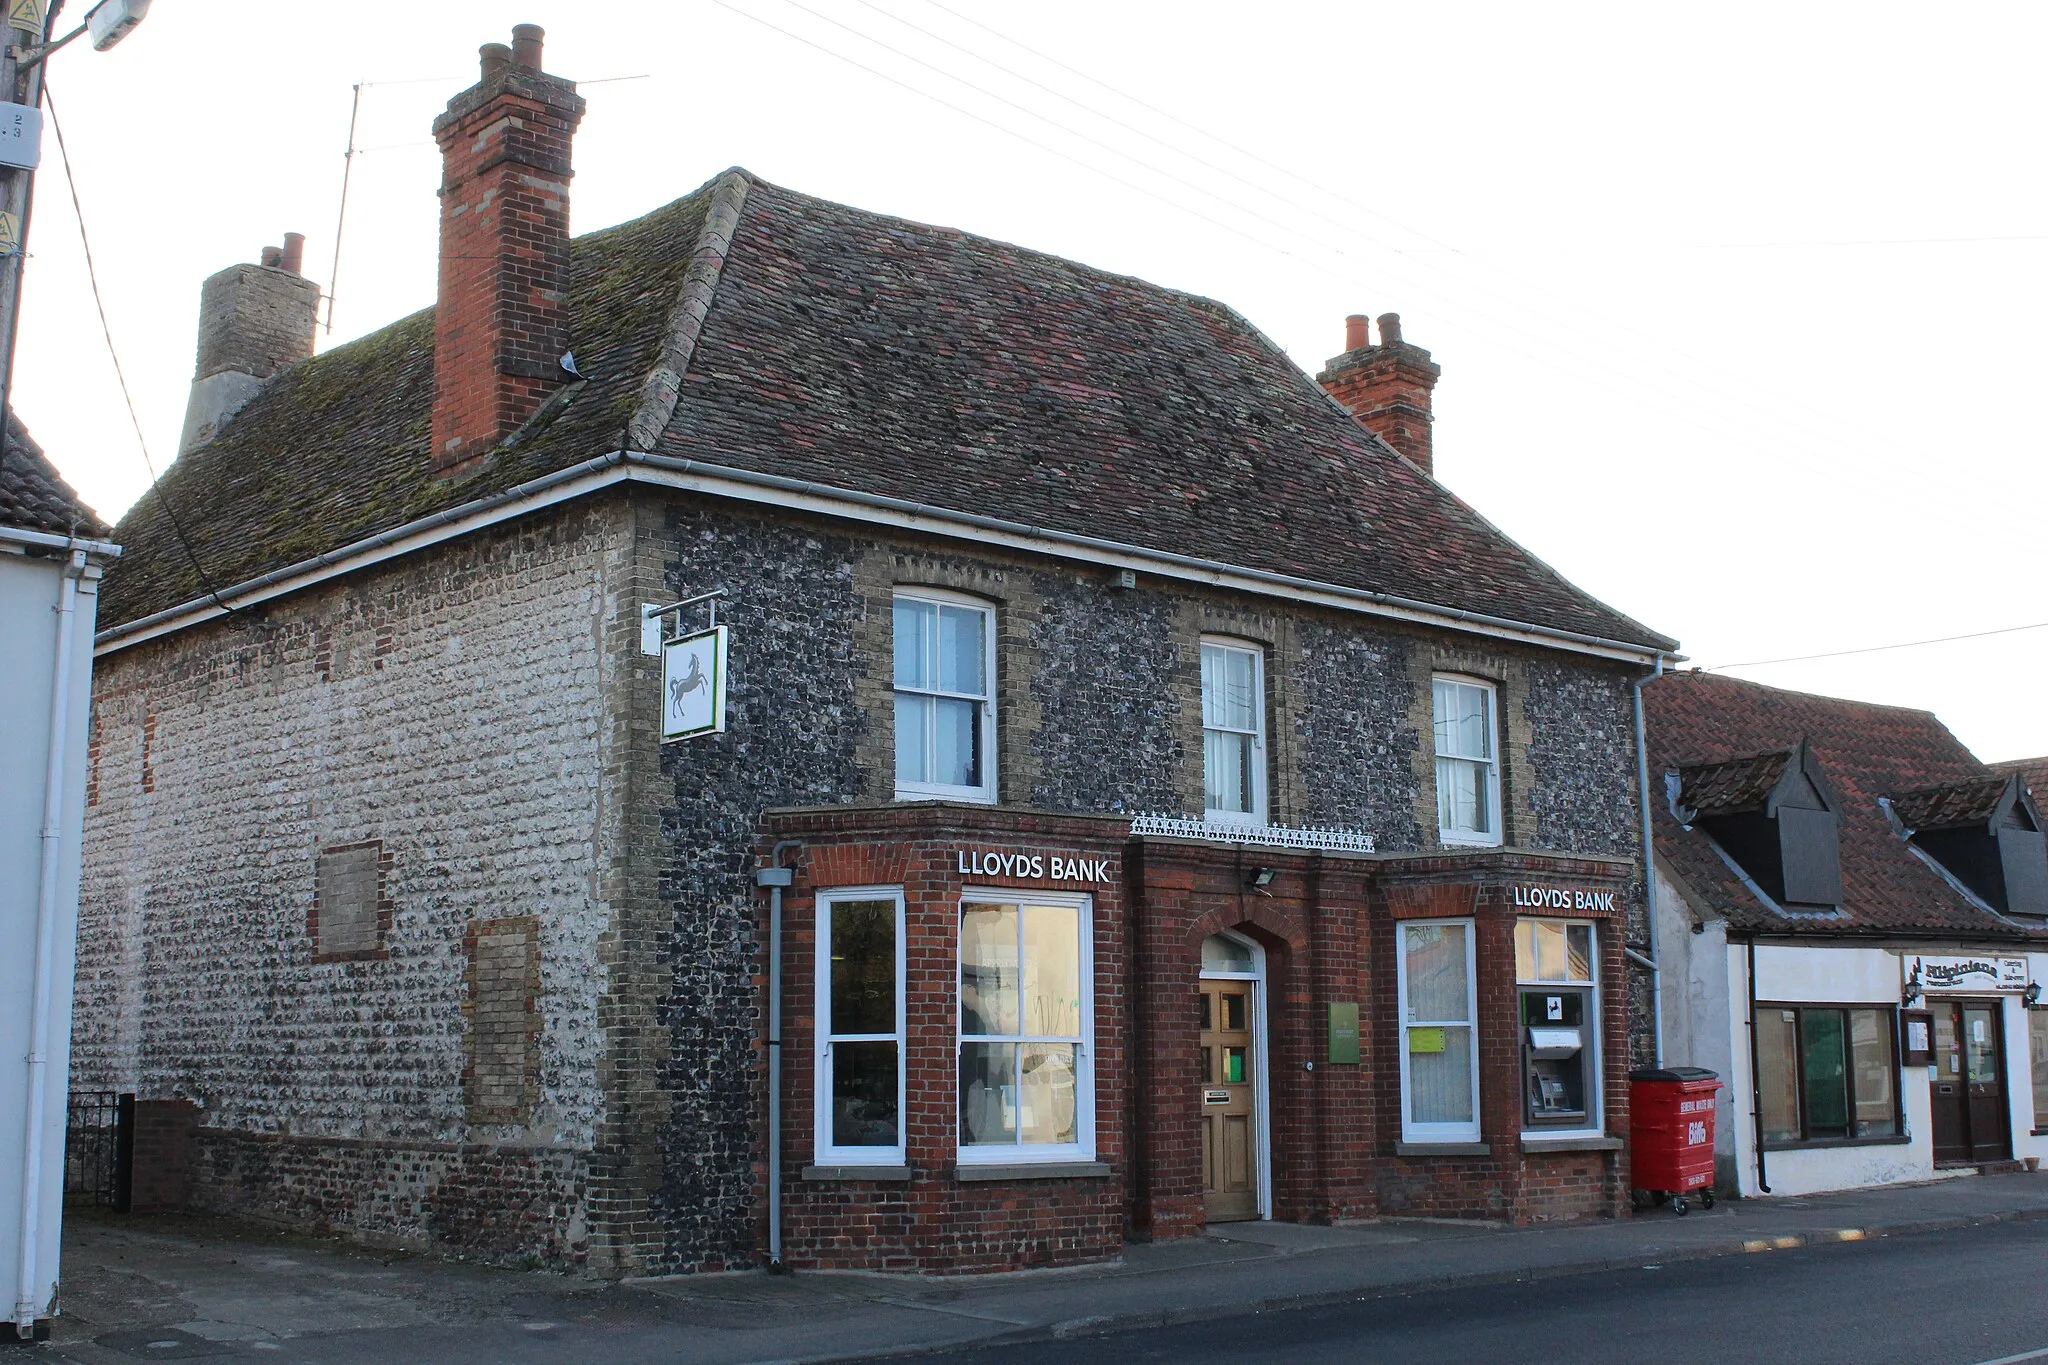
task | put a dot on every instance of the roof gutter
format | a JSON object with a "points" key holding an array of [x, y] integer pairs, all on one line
{"points": [[48, 540], [750, 486]]}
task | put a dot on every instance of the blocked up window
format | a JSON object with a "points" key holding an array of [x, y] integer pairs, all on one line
{"points": [[1027, 1088], [1826, 1074], [349, 910], [2037, 1035], [504, 1024], [860, 1028], [1233, 734], [1467, 774], [945, 700]]}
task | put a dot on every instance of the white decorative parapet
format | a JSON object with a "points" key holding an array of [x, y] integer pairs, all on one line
{"points": [[1276, 836]]}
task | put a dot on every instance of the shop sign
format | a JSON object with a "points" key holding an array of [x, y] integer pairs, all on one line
{"points": [[693, 685], [1967, 973], [1562, 898], [1053, 867]]}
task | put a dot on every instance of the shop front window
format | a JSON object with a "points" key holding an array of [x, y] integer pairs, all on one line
{"points": [[1439, 1043], [860, 1028], [1560, 1038], [1026, 1081], [1826, 1073], [1233, 734], [1467, 777], [2037, 1034], [945, 704]]}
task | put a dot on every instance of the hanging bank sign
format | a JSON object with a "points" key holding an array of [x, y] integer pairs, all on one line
{"points": [[1966, 973], [1053, 867]]}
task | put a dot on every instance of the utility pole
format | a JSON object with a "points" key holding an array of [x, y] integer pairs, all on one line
{"points": [[28, 30]]}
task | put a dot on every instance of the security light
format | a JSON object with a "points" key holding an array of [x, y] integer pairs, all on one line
{"points": [[1259, 878], [111, 20]]}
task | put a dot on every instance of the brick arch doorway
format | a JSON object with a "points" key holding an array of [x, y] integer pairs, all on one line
{"points": [[1235, 1098]]}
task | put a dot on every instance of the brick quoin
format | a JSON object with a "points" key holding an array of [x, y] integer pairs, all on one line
{"points": [[502, 323]]}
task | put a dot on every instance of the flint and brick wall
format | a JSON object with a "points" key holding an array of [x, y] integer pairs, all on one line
{"points": [[447, 709]]}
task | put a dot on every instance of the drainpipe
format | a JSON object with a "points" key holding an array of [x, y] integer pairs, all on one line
{"points": [[30, 1250], [1756, 1084], [775, 876], [1650, 871]]}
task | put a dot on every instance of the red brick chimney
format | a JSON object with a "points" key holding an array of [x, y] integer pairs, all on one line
{"points": [[1387, 387], [503, 318]]}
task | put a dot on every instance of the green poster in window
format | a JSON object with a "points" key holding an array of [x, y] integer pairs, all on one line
{"points": [[1426, 1039], [1343, 1045]]}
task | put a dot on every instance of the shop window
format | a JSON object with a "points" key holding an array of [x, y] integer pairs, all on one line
{"points": [[1826, 1074], [2037, 1034], [860, 1028], [1554, 967], [1026, 1081], [945, 700], [1467, 774], [1439, 1044], [1233, 733]]}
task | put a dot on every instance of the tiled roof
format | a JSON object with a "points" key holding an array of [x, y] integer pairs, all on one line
{"points": [[2033, 772], [1739, 784], [1864, 751], [856, 351], [34, 496], [1957, 803]]}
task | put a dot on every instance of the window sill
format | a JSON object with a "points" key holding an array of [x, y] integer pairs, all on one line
{"points": [[1824, 1144], [1034, 1170], [1536, 1143], [1450, 840], [1443, 1149], [981, 797], [878, 1174]]}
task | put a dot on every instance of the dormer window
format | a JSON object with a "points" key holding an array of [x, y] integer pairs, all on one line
{"points": [[1776, 817], [1986, 834]]}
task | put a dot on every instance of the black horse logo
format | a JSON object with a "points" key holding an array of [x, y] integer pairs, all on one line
{"points": [[678, 688]]}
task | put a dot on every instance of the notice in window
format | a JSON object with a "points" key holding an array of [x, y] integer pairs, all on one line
{"points": [[1425, 1040]]}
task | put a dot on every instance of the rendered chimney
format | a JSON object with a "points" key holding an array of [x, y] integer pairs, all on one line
{"points": [[254, 320], [1387, 387], [503, 318]]}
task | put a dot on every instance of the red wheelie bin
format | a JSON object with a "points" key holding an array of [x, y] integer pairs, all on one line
{"points": [[1671, 1135]]}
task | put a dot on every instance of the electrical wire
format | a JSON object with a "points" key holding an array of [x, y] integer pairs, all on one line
{"points": [[92, 274], [1560, 321], [1878, 649], [1947, 506]]}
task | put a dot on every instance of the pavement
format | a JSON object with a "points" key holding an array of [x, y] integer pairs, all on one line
{"points": [[170, 1288]]}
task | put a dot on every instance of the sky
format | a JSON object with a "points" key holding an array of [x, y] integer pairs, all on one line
{"points": [[1738, 307]]}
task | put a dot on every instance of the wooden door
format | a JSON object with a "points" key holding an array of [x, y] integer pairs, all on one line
{"points": [[1950, 1092], [1984, 1074], [1229, 1105]]}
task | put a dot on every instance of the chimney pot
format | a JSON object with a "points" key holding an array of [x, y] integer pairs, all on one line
{"points": [[294, 254], [526, 45], [1387, 387], [270, 256], [495, 58]]}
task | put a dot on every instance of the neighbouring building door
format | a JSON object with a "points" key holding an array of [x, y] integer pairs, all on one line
{"points": [[1230, 1129], [1969, 1083]]}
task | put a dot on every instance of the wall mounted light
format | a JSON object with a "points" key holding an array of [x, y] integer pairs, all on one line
{"points": [[2032, 994], [1259, 878], [1912, 991]]}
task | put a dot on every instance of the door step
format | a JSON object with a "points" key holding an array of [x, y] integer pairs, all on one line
{"points": [[2001, 1167]]}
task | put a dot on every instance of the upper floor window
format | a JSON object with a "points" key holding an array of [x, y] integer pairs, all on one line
{"points": [[1233, 733], [1467, 774], [945, 702]]}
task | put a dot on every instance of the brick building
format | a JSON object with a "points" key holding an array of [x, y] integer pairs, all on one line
{"points": [[1207, 815]]}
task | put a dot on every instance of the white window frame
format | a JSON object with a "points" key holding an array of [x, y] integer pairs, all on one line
{"points": [[915, 791], [1258, 815], [1018, 1153], [1472, 838], [1437, 1132], [1596, 1112], [823, 1150]]}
